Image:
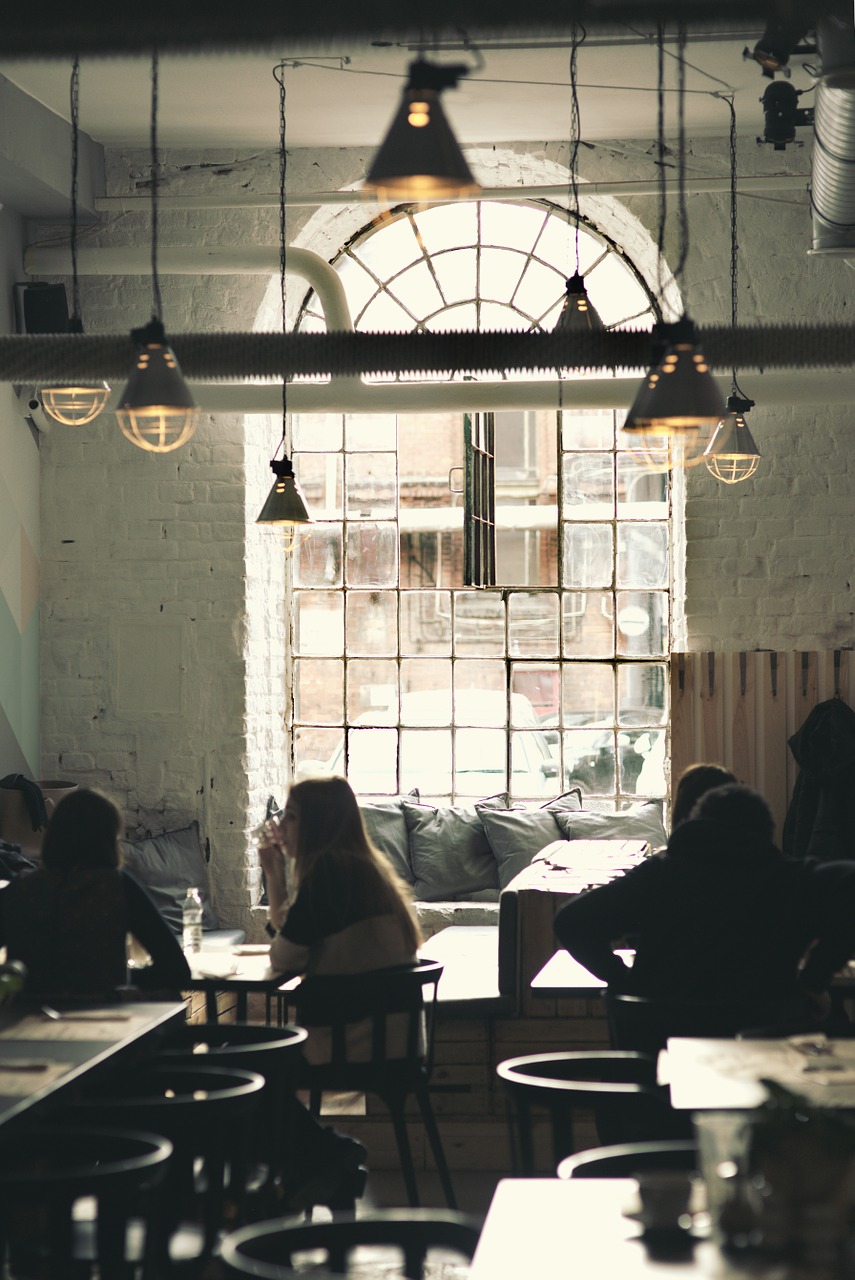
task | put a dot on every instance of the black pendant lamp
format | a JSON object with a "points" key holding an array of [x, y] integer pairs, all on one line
{"points": [[285, 508], [156, 411], [420, 158], [74, 403]]}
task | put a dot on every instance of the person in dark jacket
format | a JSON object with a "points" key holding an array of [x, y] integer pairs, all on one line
{"points": [[719, 913], [693, 783], [820, 821]]}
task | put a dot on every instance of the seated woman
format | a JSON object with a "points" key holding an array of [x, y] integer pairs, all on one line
{"points": [[69, 920], [350, 914]]}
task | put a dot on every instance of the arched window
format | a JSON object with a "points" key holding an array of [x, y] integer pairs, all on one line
{"points": [[403, 675]]}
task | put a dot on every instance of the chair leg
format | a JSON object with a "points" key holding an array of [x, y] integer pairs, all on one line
{"points": [[432, 1131], [399, 1124]]}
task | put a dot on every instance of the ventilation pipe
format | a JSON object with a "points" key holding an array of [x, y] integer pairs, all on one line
{"points": [[833, 162]]}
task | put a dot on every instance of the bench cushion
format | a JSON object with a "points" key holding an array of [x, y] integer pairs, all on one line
{"points": [[168, 865]]}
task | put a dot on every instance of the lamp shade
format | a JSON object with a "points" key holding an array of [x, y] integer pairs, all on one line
{"points": [[578, 314], [420, 157], [679, 393], [731, 454], [285, 507], [74, 404], [156, 410]]}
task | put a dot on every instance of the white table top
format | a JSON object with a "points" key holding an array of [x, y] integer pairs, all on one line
{"points": [[549, 1229], [713, 1075]]}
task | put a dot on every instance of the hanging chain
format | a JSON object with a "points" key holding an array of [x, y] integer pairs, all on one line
{"points": [[279, 77], [75, 153], [576, 39], [734, 241], [683, 211], [660, 153], [155, 183]]}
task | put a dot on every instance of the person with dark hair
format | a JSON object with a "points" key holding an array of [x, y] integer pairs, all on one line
{"points": [[350, 913], [68, 921], [720, 913], [694, 782]]}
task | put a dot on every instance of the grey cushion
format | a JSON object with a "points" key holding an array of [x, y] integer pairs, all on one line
{"points": [[450, 854], [516, 835], [641, 822], [168, 865], [387, 830]]}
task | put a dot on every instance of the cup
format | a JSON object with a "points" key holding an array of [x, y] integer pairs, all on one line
{"points": [[723, 1139], [665, 1197]]}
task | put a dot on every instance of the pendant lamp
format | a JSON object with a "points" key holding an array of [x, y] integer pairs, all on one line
{"points": [[285, 508], [420, 158], [732, 455], [679, 401], [156, 411], [578, 314], [74, 403]]}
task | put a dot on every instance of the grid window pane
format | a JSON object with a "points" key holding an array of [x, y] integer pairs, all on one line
{"points": [[320, 687], [372, 554], [588, 555], [372, 622], [372, 691]]}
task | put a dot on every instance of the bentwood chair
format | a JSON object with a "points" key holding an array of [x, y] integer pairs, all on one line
{"points": [[378, 1027], [619, 1088], [268, 1248], [644, 1023], [46, 1175], [626, 1159]]}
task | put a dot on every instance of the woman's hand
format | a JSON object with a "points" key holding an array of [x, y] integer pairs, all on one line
{"points": [[271, 856]]}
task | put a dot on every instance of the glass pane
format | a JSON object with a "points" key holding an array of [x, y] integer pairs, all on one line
{"points": [[538, 683], [426, 691], [316, 432], [642, 493], [371, 486], [318, 751], [447, 226], [372, 622], [642, 624], [540, 289], [389, 249], [642, 559], [462, 316], [480, 766], [385, 315], [500, 273], [372, 554], [515, 224], [642, 693], [372, 761], [319, 691], [589, 760], [426, 622], [588, 553], [371, 432], [533, 624], [319, 476], [456, 274], [479, 624], [415, 288], [534, 770], [426, 761], [318, 622], [649, 780], [495, 316], [359, 285], [479, 693], [372, 691], [588, 694], [589, 490], [557, 244], [588, 624], [614, 290], [587, 429], [317, 560]]}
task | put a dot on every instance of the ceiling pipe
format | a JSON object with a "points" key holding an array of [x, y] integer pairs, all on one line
{"points": [[311, 199], [833, 158]]}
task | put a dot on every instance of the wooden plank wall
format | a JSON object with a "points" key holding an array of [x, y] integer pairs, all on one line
{"points": [[740, 709]]}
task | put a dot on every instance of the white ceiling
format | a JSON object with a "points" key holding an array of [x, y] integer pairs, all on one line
{"points": [[345, 96]]}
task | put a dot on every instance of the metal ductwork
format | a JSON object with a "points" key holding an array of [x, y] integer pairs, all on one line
{"points": [[833, 162]]}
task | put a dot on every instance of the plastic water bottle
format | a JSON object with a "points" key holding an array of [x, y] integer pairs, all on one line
{"points": [[191, 919]]}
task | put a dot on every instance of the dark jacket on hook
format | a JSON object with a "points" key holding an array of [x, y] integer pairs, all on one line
{"points": [[820, 821]]}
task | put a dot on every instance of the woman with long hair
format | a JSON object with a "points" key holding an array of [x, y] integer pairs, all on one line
{"points": [[68, 920]]}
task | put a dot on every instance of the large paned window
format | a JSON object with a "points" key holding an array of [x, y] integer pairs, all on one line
{"points": [[402, 675]]}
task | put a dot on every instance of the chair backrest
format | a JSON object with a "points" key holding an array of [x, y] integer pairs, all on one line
{"points": [[619, 1087], [266, 1250], [398, 1002], [645, 1023], [628, 1158]]}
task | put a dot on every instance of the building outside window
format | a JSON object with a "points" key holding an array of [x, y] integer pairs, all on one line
{"points": [[405, 676]]}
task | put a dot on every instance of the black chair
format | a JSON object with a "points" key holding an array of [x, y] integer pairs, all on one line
{"points": [[644, 1023], [207, 1113], [397, 1019], [46, 1173], [276, 1054], [268, 1248], [626, 1159], [618, 1087]]}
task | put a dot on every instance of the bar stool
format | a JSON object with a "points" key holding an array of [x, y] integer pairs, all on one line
{"points": [[207, 1113], [624, 1160], [275, 1053], [45, 1173]]}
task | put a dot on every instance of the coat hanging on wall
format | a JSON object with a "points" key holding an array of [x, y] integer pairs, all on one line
{"points": [[820, 820]]}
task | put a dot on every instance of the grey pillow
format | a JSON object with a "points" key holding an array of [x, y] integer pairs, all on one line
{"points": [[516, 835], [450, 853], [168, 865], [387, 830], [641, 822]]}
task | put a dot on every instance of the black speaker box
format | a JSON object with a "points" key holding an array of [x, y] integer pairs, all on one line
{"points": [[45, 308]]}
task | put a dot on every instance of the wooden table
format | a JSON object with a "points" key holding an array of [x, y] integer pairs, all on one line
{"points": [[551, 1229], [719, 1075], [240, 970], [41, 1059]]}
